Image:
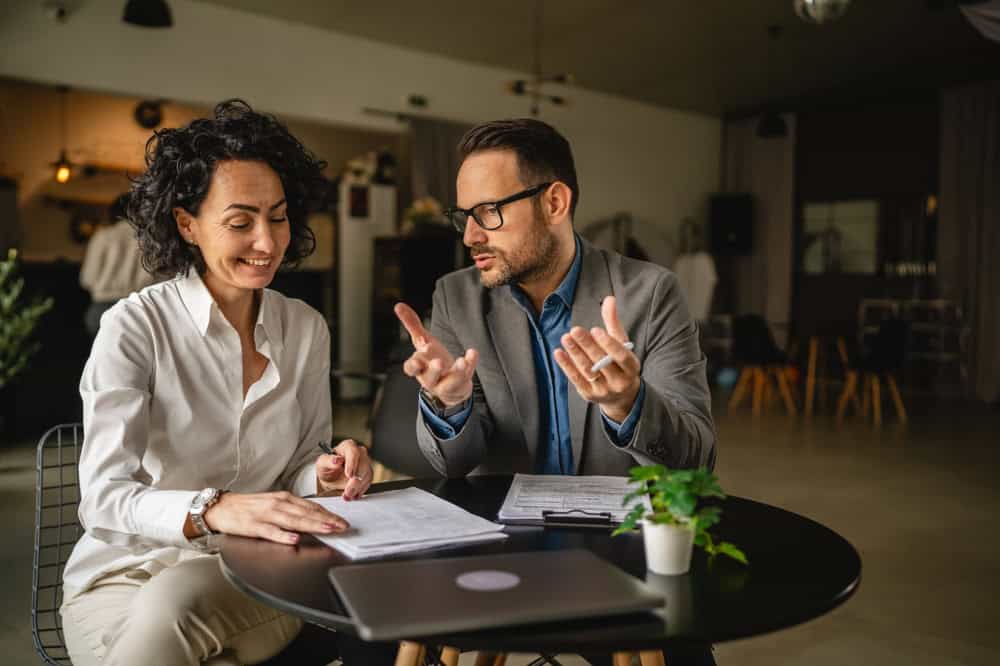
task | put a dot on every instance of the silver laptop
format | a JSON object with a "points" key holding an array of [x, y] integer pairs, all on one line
{"points": [[393, 600]]}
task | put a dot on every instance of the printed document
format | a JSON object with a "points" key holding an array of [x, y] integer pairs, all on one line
{"points": [[574, 497], [401, 521]]}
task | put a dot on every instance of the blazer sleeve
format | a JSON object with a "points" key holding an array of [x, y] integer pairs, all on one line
{"points": [[675, 427], [459, 455]]}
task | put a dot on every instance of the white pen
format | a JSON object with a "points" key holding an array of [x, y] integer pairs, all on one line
{"points": [[606, 361]]}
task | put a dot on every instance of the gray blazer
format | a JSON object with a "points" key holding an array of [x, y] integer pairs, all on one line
{"points": [[501, 435]]}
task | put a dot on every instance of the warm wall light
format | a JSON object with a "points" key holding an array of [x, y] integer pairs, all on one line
{"points": [[63, 169]]}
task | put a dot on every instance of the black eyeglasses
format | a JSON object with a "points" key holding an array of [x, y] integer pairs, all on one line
{"points": [[488, 214]]}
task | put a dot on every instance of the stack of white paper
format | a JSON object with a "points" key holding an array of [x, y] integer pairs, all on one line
{"points": [[532, 496], [402, 521]]}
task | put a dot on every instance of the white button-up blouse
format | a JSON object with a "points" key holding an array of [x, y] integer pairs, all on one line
{"points": [[164, 416]]}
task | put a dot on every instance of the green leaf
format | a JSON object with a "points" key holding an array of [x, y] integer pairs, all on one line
{"points": [[709, 516], [18, 320], [728, 549]]}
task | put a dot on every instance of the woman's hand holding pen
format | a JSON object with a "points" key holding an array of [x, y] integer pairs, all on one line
{"points": [[443, 376], [615, 384], [345, 467]]}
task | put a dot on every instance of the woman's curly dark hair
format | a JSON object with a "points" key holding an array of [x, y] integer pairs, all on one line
{"points": [[179, 168]]}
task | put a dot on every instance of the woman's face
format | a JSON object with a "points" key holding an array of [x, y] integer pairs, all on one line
{"points": [[241, 229]]}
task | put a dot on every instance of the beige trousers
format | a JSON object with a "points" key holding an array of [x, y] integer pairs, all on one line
{"points": [[186, 614]]}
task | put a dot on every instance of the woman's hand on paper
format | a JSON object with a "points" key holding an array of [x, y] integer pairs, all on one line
{"points": [[278, 516], [437, 371]]}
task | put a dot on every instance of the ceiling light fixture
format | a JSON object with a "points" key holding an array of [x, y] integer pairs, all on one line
{"points": [[820, 11], [533, 87], [148, 13]]}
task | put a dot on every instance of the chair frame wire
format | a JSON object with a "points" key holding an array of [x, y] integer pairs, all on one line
{"points": [[46, 596]]}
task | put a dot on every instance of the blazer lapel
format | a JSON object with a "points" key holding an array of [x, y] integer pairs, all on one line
{"points": [[594, 284], [511, 335]]}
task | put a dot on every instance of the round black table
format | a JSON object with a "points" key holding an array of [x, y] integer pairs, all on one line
{"points": [[798, 570]]}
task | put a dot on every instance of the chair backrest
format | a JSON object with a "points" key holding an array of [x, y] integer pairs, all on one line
{"points": [[753, 342], [888, 349], [57, 529], [394, 420]]}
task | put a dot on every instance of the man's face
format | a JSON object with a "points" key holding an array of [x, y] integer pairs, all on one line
{"points": [[524, 248]]}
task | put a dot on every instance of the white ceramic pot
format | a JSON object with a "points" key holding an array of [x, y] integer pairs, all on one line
{"points": [[668, 548]]}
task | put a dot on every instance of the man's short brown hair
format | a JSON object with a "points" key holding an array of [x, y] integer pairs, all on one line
{"points": [[543, 154]]}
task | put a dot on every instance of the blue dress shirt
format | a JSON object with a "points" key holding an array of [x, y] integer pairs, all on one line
{"points": [[555, 451]]}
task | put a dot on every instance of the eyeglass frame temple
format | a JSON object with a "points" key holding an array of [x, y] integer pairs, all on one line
{"points": [[523, 194]]}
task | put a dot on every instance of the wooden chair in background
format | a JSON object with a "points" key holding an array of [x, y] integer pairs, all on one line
{"points": [[762, 362], [882, 361]]}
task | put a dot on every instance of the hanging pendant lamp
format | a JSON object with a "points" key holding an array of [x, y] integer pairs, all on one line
{"points": [[62, 168]]}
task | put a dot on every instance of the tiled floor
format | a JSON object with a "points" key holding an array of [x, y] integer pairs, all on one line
{"points": [[919, 504]]}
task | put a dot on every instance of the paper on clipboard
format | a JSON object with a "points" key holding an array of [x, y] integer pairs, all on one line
{"points": [[539, 499]]}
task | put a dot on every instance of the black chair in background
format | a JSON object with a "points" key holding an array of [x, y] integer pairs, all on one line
{"points": [[392, 419], [883, 359], [755, 350]]}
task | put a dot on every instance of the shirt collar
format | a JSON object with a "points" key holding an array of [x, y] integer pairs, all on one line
{"points": [[566, 291], [567, 288], [197, 300], [200, 304]]}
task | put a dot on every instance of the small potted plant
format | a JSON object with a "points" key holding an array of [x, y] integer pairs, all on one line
{"points": [[675, 523]]}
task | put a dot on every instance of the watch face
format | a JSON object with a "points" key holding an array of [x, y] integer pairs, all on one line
{"points": [[203, 498]]}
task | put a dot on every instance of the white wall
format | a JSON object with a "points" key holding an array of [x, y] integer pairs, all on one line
{"points": [[656, 163]]}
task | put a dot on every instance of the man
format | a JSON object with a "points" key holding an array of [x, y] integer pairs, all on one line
{"points": [[112, 266], [505, 370]]}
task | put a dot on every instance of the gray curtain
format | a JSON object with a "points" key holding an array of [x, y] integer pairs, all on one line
{"points": [[969, 224], [766, 169], [433, 158]]}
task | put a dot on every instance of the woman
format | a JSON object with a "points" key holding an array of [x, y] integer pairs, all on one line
{"points": [[204, 399]]}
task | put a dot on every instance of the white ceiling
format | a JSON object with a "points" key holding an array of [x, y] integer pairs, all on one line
{"points": [[711, 56]]}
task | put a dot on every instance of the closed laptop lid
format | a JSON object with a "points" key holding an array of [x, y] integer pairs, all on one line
{"points": [[392, 600]]}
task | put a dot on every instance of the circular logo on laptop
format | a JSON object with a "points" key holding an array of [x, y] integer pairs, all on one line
{"points": [[487, 580]]}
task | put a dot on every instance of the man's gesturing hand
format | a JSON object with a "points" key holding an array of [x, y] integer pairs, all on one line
{"points": [[616, 386], [440, 374]]}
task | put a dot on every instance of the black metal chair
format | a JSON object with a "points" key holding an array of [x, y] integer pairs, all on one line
{"points": [[57, 529]]}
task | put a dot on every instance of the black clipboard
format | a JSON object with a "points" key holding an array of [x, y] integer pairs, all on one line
{"points": [[577, 518]]}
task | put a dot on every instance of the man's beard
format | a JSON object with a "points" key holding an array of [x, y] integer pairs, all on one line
{"points": [[534, 259]]}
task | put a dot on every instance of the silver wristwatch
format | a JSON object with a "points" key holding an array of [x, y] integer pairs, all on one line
{"points": [[201, 503]]}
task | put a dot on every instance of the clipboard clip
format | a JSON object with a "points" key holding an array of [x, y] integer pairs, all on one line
{"points": [[577, 518]]}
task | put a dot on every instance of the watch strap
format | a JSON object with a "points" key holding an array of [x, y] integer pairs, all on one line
{"points": [[198, 517], [437, 406]]}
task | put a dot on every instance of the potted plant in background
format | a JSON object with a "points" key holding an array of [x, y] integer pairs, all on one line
{"points": [[676, 523], [423, 212], [18, 319]]}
